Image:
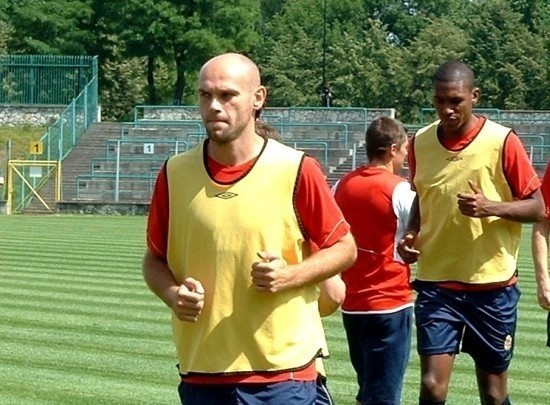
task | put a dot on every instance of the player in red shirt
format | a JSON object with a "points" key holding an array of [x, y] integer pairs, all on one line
{"points": [[377, 310], [541, 234]]}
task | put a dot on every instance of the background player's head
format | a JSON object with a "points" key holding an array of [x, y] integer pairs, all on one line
{"points": [[386, 139]]}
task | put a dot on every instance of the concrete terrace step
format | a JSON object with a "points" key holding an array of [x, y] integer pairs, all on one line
{"points": [[91, 145]]}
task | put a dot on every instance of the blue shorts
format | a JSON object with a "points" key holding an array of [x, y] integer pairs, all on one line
{"points": [[379, 349], [286, 392], [480, 323], [323, 395]]}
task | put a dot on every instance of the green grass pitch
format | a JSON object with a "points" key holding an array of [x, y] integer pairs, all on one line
{"points": [[78, 324]]}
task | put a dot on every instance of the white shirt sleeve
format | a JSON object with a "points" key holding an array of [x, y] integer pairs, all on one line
{"points": [[402, 199], [334, 187]]}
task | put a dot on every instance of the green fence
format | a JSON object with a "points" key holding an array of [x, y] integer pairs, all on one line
{"points": [[61, 137], [44, 79]]}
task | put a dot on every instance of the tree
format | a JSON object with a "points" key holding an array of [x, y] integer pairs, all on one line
{"points": [[535, 14], [368, 68], [143, 28], [51, 27], [122, 82], [6, 29], [297, 53], [182, 34], [423, 57], [210, 27], [509, 60]]}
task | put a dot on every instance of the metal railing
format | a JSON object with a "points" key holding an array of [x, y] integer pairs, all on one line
{"points": [[309, 146], [44, 79]]}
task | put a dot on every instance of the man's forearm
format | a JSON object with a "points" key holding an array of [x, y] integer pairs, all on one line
{"points": [[159, 278], [414, 217], [524, 211], [326, 262], [539, 246]]}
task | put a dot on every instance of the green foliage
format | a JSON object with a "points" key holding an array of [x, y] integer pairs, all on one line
{"points": [[502, 51], [123, 85], [372, 53], [51, 27], [422, 58], [6, 32], [179, 36], [21, 137]]}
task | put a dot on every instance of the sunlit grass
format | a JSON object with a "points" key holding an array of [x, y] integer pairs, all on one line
{"points": [[78, 324]]}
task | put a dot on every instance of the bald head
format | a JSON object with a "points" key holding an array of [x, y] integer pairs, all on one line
{"points": [[233, 65], [454, 71], [230, 98]]}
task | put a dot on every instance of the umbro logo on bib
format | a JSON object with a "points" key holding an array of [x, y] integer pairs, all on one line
{"points": [[226, 195]]}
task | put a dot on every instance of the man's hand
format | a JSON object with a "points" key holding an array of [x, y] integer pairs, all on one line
{"points": [[543, 294], [271, 274], [406, 247], [473, 205], [188, 301]]}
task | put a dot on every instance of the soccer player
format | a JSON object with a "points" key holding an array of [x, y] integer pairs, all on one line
{"points": [[229, 237], [377, 310], [475, 186]]}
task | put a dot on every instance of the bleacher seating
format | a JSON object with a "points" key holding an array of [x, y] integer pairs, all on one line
{"points": [[334, 136], [128, 169]]}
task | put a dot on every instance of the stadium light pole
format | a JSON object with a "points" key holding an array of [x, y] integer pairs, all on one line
{"points": [[324, 40], [326, 95]]}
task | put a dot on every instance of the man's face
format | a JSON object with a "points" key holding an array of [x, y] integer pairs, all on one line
{"points": [[401, 154], [453, 102], [226, 100]]}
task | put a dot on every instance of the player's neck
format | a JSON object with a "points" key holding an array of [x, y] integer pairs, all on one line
{"points": [[237, 152], [463, 130], [380, 164]]}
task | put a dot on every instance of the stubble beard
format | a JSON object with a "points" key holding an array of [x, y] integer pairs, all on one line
{"points": [[224, 136], [220, 137]]}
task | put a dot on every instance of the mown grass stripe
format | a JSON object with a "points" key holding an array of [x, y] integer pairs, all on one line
{"points": [[70, 387], [158, 346], [48, 277], [86, 274], [64, 313], [154, 334], [61, 287]]}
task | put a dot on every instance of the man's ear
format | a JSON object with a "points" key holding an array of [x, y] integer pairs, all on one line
{"points": [[475, 95], [260, 95]]}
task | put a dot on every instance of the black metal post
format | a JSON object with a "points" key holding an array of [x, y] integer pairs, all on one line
{"points": [[324, 41], [326, 95]]}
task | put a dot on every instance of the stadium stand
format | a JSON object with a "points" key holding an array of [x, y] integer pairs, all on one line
{"points": [[125, 168]]}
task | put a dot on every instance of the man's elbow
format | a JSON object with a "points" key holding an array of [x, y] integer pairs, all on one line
{"points": [[539, 207], [541, 228], [538, 214], [350, 251]]}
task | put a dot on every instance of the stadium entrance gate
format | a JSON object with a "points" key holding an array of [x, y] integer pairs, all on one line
{"points": [[25, 183]]}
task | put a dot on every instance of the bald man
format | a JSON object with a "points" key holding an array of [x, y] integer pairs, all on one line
{"points": [[239, 232], [475, 186]]}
